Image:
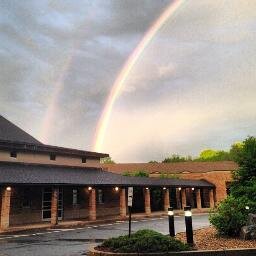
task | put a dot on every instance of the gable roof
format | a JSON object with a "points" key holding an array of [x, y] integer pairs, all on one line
{"points": [[184, 167], [37, 174], [12, 133]]}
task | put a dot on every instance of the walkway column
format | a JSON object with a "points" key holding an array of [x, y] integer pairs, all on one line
{"points": [[5, 207], [166, 199], [54, 206], [211, 198], [178, 198], [122, 203], [198, 199], [147, 201], [183, 197], [92, 204]]}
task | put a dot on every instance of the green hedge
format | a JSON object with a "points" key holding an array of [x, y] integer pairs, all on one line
{"points": [[144, 241]]}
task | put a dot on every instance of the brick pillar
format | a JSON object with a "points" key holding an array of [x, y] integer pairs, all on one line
{"points": [[198, 199], [211, 198], [122, 203], [178, 198], [92, 204], [54, 206], [166, 199], [5, 208], [184, 199], [147, 202]]}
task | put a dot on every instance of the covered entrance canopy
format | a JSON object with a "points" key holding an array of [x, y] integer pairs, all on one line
{"points": [[39, 192], [20, 173]]}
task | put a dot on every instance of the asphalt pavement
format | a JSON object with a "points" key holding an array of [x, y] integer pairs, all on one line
{"points": [[77, 241]]}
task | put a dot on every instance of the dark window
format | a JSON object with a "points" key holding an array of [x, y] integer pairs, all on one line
{"points": [[100, 196], [75, 196], [52, 157], [83, 159], [13, 154], [26, 198]]}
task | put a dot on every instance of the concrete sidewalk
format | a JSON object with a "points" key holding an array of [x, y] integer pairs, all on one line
{"points": [[85, 222]]}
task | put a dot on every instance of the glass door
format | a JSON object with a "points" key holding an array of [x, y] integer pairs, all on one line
{"points": [[46, 204]]}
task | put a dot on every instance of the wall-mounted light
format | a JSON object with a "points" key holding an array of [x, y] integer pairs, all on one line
{"points": [[147, 188], [164, 188], [8, 188], [89, 188], [179, 189], [116, 189], [193, 189]]}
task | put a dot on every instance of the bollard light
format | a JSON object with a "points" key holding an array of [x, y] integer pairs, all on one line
{"points": [[116, 189], [247, 207], [189, 227], [8, 188], [89, 188], [171, 221]]}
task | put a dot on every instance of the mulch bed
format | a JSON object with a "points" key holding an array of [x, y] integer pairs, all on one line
{"points": [[207, 239]]}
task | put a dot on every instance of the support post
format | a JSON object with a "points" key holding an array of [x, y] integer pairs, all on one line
{"points": [[147, 201], [5, 208], [54, 206], [198, 199], [183, 197], [179, 206], [166, 199], [122, 203], [211, 198], [92, 204]]}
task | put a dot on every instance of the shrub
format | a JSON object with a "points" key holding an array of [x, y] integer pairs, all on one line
{"points": [[230, 216], [144, 241]]}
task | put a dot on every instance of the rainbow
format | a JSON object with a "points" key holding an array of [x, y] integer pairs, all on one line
{"points": [[125, 71]]}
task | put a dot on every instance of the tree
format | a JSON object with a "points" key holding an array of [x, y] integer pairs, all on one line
{"points": [[107, 160], [213, 155], [175, 158]]}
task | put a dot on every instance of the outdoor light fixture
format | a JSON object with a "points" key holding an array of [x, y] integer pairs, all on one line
{"points": [[89, 188], [247, 207], [179, 189], [146, 188], [164, 188], [188, 222], [171, 221], [8, 188], [116, 188], [193, 189]]}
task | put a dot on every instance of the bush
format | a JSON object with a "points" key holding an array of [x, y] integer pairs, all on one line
{"points": [[230, 216], [144, 241]]}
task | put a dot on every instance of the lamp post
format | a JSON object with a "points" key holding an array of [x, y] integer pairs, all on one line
{"points": [[188, 222], [171, 221]]}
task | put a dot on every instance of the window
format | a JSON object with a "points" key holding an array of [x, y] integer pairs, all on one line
{"points": [[83, 159], [100, 196], [75, 197], [52, 157], [13, 154], [26, 203]]}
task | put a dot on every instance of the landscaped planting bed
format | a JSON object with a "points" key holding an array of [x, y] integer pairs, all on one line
{"points": [[207, 239]]}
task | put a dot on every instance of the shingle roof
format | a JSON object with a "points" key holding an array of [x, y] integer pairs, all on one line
{"points": [[11, 132], [193, 167], [14, 138], [19, 173]]}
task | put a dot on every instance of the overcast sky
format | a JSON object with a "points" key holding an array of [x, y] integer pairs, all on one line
{"points": [[194, 87]]}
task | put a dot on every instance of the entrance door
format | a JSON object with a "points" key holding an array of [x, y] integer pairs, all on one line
{"points": [[46, 204]]}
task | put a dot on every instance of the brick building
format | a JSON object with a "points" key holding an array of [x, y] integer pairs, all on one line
{"points": [[43, 183]]}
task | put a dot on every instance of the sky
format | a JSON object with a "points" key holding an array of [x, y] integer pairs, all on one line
{"points": [[193, 87]]}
